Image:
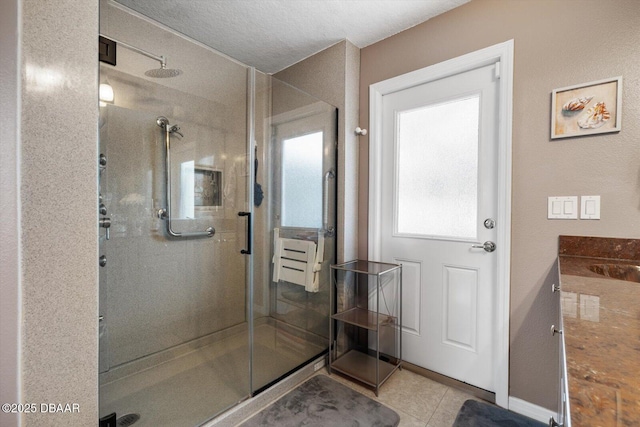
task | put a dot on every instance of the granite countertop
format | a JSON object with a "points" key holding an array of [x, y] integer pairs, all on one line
{"points": [[601, 329]]}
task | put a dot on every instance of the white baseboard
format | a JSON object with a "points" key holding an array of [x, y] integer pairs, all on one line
{"points": [[530, 410]]}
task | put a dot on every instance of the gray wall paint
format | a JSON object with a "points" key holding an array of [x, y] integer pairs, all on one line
{"points": [[58, 154], [332, 75], [557, 44]]}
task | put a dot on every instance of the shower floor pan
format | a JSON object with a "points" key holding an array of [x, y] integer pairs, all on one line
{"points": [[190, 389]]}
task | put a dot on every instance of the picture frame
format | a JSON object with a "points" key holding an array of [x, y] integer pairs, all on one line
{"points": [[587, 109]]}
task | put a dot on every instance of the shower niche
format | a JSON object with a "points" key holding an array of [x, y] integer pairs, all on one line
{"points": [[190, 317], [207, 188]]}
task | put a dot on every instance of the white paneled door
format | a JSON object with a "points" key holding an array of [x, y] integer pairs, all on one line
{"points": [[438, 209]]}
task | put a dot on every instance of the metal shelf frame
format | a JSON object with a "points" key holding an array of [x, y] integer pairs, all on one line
{"points": [[369, 366]]}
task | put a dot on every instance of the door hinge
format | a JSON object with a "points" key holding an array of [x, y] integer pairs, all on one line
{"points": [[497, 70]]}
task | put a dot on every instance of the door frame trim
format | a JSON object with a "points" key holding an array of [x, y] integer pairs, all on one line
{"points": [[502, 53]]}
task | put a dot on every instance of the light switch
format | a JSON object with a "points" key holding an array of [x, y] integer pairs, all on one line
{"points": [[562, 207], [590, 207]]}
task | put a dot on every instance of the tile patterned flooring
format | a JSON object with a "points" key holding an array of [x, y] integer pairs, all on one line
{"points": [[418, 400]]}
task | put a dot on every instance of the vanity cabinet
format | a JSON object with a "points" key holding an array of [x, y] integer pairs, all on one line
{"points": [[365, 330]]}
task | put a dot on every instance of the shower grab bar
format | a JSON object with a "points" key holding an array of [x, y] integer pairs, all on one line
{"points": [[165, 214], [330, 174]]}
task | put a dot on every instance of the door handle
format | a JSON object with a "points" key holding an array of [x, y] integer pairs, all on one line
{"points": [[487, 246], [248, 250]]}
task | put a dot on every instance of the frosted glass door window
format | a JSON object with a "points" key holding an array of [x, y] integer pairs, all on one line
{"points": [[302, 181], [437, 170]]}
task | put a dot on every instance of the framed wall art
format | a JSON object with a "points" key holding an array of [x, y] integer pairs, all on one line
{"points": [[587, 109]]}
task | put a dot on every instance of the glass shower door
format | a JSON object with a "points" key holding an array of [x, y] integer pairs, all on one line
{"points": [[174, 345], [295, 224]]}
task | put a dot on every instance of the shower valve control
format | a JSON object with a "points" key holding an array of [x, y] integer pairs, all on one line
{"points": [[106, 224], [102, 160], [102, 261], [102, 209]]}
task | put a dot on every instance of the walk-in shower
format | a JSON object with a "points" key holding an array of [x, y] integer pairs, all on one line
{"points": [[217, 189]]}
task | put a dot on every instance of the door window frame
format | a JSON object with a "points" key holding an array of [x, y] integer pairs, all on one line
{"points": [[502, 55]]}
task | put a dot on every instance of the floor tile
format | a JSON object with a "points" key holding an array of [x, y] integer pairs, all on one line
{"points": [[447, 410], [407, 420], [411, 393]]}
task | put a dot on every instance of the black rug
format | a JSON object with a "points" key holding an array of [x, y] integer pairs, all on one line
{"points": [[322, 402], [479, 414]]}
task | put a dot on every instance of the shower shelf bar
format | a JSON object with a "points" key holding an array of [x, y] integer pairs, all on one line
{"points": [[165, 214]]}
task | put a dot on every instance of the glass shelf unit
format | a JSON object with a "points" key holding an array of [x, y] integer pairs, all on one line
{"points": [[365, 332]]}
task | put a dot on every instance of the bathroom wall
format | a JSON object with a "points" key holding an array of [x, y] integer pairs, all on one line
{"points": [[161, 292], [51, 152], [557, 44], [9, 214], [332, 75]]}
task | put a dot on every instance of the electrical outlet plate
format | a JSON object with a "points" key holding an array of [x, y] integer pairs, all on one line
{"points": [[565, 207]]}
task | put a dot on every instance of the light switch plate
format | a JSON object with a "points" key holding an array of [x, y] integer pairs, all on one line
{"points": [[565, 207], [590, 207]]}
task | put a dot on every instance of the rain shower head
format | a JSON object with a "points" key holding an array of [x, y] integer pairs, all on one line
{"points": [[163, 72], [156, 73]]}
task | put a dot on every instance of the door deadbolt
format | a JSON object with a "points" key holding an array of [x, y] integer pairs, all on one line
{"points": [[489, 223]]}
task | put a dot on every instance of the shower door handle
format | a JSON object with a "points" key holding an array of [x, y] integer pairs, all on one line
{"points": [[248, 250]]}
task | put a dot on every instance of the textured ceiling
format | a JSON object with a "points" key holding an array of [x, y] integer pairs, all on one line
{"points": [[274, 34]]}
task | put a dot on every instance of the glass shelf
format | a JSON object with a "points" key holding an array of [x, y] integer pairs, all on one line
{"points": [[366, 267], [362, 367], [368, 352], [364, 318]]}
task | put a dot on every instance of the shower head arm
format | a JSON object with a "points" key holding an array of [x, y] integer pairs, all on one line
{"points": [[161, 59]]}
